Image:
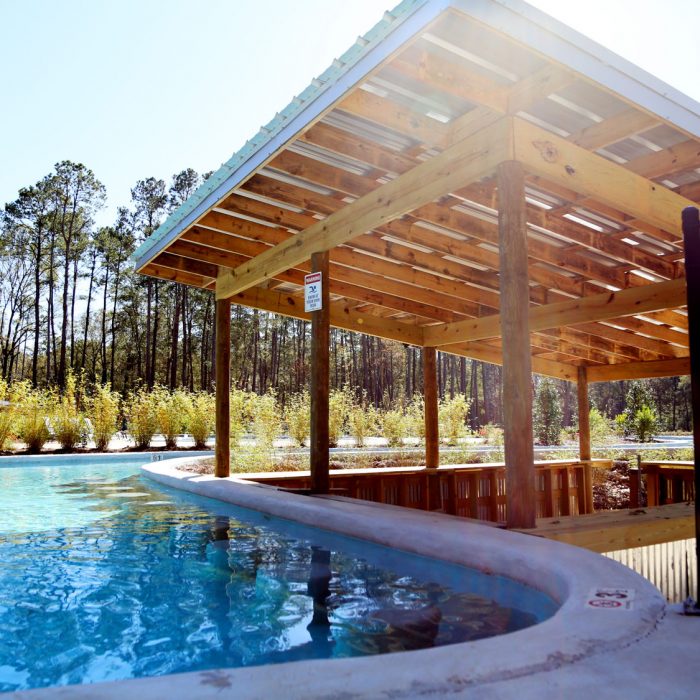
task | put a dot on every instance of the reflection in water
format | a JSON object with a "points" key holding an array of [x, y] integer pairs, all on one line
{"points": [[160, 584], [319, 590]]}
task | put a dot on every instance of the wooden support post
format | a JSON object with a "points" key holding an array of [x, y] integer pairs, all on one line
{"points": [[430, 403], [584, 439], [517, 371], [691, 242], [320, 341], [223, 381]]}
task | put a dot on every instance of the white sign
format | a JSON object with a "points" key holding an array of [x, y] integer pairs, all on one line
{"points": [[611, 599], [312, 292]]}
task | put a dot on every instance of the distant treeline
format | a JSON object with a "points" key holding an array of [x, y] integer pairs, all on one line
{"points": [[70, 301]]}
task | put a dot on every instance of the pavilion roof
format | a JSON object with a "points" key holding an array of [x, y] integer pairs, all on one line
{"points": [[388, 161]]}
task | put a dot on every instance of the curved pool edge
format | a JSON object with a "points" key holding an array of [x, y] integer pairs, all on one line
{"points": [[566, 573]]}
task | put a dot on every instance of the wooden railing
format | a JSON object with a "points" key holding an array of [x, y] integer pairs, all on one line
{"points": [[472, 490], [666, 482]]}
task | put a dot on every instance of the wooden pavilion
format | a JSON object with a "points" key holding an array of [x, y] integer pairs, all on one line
{"points": [[471, 176]]}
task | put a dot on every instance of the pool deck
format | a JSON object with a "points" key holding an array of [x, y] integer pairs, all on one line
{"points": [[610, 530], [650, 651]]}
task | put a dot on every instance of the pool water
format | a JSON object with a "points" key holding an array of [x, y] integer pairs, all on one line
{"points": [[105, 575]]}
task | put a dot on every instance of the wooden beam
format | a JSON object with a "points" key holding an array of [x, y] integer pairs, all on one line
{"points": [[341, 315], [320, 358], [613, 129], [551, 156], [584, 438], [458, 165], [677, 367], [223, 381], [430, 406], [517, 373], [597, 307], [549, 79]]}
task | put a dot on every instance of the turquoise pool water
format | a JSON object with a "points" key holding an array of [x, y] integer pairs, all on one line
{"points": [[105, 575]]}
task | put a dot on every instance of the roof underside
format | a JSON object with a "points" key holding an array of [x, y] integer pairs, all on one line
{"points": [[393, 170]]}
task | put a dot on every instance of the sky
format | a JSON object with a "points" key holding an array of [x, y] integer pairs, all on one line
{"points": [[134, 88]]}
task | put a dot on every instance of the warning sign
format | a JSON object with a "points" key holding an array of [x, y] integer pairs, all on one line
{"points": [[312, 292], [611, 599]]}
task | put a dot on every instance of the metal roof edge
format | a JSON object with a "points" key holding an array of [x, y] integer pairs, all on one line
{"points": [[369, 50], [556, 40]]}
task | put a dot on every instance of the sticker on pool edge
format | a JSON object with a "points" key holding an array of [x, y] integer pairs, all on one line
{"points": [[611, 599]]}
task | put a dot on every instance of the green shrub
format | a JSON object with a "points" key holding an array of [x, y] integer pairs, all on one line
{"points": [[415, 418], [32, 408], [238, 416], [620, 424], [339, 403], [644, 424], [142, 418], [266, 421], [172, 411], [201, 417], [67, 420], [362, 422], [297, 416], [638, 396], [7, 415], [103, 412], [601, 431], [393, 425], [452, 416], [492, 434]]}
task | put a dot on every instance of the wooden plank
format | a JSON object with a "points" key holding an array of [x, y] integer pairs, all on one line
{"points": [[517, 373], [167, 273], [584, 424], [176, 262], [223, 380], [392, 115], [613, 129], [609, 531], [550, 156], [597, 307], [342, 315], [584, 440], [450, 77], [677, 367], [430, 404], [549, 79], [548, 368], [460, 164], [674, 159], [320, 363]]}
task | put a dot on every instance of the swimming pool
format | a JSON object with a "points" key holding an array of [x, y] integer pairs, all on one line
{"points": [[107, 576]]}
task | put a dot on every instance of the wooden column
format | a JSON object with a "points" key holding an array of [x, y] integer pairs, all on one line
{"points": [[691, 241], [223, 383], [430, 404], [320, 340], [517, 371], [584, 438]]}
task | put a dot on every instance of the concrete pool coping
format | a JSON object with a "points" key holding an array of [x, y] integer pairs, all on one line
{"points": [[556, 651]]}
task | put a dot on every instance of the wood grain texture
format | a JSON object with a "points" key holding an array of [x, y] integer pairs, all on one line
{"points": [[430, 402], [320, 359], [517, 372], [222, 466]]}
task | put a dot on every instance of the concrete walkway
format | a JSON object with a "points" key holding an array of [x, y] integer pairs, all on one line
{"points": [[665, 665]]}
